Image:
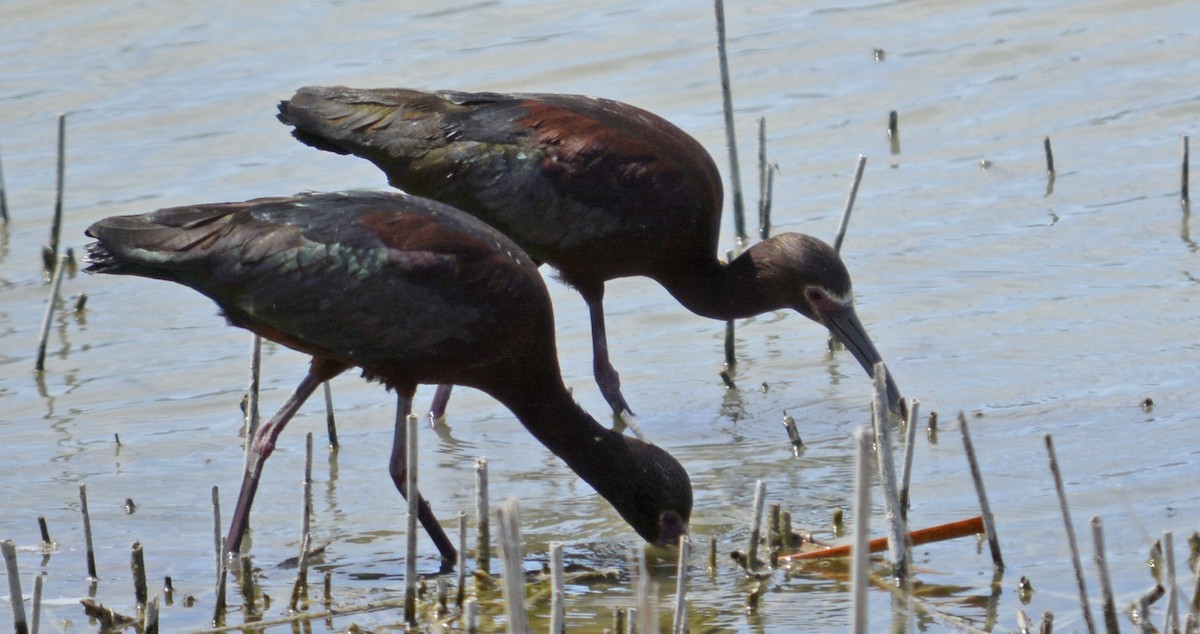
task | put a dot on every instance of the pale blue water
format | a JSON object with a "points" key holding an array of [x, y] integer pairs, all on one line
{"points": [[1043, 313]]}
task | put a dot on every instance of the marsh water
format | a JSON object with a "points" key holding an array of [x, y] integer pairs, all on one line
{"points": [[1034, 307]]}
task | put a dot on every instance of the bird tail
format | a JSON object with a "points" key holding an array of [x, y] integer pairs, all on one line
{"points": [[100, 260], [156, 245]]}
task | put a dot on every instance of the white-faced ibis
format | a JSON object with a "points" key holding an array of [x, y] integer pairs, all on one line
{"points": [[410, 291], [596, 188]]}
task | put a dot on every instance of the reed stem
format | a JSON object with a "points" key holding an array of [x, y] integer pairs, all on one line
{"points": [[989, 522], [735, 176], [844, 222], [860, 576], [1066, 514], [413, 495], [509, 521]]}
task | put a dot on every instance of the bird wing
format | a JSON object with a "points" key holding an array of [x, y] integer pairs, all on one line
{"points": [[340, 275], [569, 177]]}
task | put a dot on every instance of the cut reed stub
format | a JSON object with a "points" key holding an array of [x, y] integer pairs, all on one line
{"points": [[1183, 185], [793, 433]]}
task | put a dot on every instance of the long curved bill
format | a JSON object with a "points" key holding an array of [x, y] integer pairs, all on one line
{"points": [[847, 329]]}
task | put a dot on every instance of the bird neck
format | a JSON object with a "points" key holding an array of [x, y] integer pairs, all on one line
{"points": [[559, 423], [645, 485], [717, 290]]}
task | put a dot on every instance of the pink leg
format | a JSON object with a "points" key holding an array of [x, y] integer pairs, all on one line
{"points": [[441, 398], [263, 443], [606, 375], [398, 468]]}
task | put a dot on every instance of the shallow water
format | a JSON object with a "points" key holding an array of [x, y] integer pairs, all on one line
{"points": [[1035, 313]]}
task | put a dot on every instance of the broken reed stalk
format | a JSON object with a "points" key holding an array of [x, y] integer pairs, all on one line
{"points": [[483, 549], [1172, 622], [471, 612], [785, 532], [508, 519], [3, 197], [860, 575], [762, 170], [1066, 514], [910, 441], [730, 355], [1111, 624], [251, 413], [774, 528], [735, 176], [766, 182], [885, 461], [1142, 608], [246, 570], [894, 132], [1024, 625], [1193, 621], [730, 351], [1183, 179], [327, 588], [48, 316], [679, 625], [87, 532], [766, 231], [36, 613], [137, 563], [941, 532], [218, 615], [618, 623], [150, 621], [300, 587], [47, 543], [408, 426], [844, 222], [1049, 167], [16, 599], [462, 560], [217, 549], [793, 433], [760, 492], [989, 522], [643, 618], [330, 422], [56, 227], [558, 590]]}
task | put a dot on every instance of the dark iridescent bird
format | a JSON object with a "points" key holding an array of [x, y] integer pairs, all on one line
{"points": [[410, 291], [596, 188]]}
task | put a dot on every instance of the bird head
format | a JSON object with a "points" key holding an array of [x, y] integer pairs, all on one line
{"points": [[649, 488], [815, 283]]}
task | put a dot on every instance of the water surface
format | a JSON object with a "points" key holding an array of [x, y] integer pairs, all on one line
{"points": [[1034, 312]]}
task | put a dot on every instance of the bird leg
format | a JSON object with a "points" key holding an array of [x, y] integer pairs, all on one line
{"points": [[262, 444], [441, 398], [606, 375], [398, 468]]}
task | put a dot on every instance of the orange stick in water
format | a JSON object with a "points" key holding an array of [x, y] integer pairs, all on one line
{"points": [[938, 533]]}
